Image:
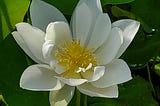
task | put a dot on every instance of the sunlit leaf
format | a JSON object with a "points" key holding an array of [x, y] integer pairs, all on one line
{"points": [[11, 12], [157, 69], [2, 101]]}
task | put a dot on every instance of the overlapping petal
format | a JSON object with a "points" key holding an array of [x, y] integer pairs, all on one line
{"points": [[48, 50], [59, 69], [109, 92], [61, 97], [59, 33], [94, 5], [100, 31], [129, 28], [116, 72], [81, 23], [31, 40], [43, 13], [107, 52], [71, 81], [93, 76], [40, 78], [19, 39]]}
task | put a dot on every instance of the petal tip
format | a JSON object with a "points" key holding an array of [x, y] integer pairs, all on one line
{"points": [[14, 33], [21, 25], [138, 24], [53, 24]]}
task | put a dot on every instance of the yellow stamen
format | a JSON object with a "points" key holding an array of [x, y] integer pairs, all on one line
{"points": [[75, 59]]}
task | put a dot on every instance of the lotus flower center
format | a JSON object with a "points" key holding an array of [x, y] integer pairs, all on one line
{"points": [[75, 59]]}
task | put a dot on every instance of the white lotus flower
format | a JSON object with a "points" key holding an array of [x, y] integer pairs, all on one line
{"points": [[84, 55]]}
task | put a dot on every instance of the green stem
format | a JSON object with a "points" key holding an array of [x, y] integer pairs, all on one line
{"points": [[78, 103], [85, 100], [150, 80]]}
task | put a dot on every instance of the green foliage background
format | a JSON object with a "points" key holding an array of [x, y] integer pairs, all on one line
{"points": [[143, 55]]}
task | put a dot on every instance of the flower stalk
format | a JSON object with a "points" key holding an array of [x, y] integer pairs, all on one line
{"points": [[85, 100], [78, 99], [149, 78]]}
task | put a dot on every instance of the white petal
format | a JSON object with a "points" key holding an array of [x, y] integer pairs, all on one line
{"points": [[129, 28], [98, 72], [33, 38], [85, 16], [116, 72], [100, 32], [24, 46], [47, 49], [81, 23], [53, 63], [94, 5], [59, 33], [43, 13], [109, 92], [93, 76], [109, 49], [40, 78], [59, 69], [61, 97], [71, 81]]}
